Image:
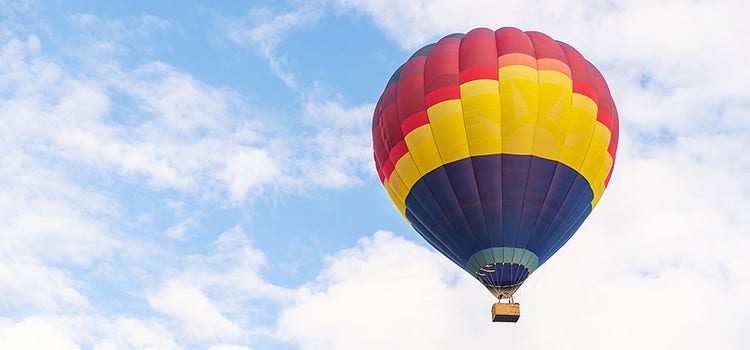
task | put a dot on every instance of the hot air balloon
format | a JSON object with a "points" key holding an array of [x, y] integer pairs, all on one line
{"points": [[495, 146]]}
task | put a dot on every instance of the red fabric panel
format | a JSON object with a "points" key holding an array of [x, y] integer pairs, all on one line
{"points": [[477, 56], [513, 40], [414, 121], [580, 69], [546, 47], [441, 68], [452, 92]]}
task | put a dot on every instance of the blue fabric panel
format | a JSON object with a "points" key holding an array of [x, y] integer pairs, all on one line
{"points": [[502, 275], [434, 200], [500, 200], [490, 187], [465, 189]]}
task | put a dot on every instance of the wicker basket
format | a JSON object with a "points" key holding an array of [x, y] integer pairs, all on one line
{"points": [[506, 312]]}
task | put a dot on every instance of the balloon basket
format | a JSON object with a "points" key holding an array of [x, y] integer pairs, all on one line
{"points": [[506, 312]]}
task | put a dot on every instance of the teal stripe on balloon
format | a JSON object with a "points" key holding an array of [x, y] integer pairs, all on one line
{"points": [[502, 255]]}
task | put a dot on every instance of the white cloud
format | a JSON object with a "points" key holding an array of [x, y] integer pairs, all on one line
{"points": [[130, 333], [342, 145], [231, 272], [385, 293], [36, 333], [148, 21], [263, 31], [45, 215], [219, 297], [599, 291], [69, 142], [185, 143], [177, 135], [198, 316], [247, 171], [228, 347], [181, 134], [102, 32], [64, 136], [26, 284], [90, 332], [338, 153], [330, 114], [178, 101], [177, 231]]}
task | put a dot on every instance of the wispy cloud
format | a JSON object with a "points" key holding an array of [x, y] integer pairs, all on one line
{"points": [[226, 291], [263, 31], [77, 163], [201, 319], [228, 347], [337, 154], [178, 135], [128, 333], [101, 37], [340, 152]]}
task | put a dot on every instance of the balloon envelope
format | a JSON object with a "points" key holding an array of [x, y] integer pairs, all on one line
{"points": [[495, 146]]}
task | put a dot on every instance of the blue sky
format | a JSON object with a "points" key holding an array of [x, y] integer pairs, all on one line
{"points": [[188, 175]]}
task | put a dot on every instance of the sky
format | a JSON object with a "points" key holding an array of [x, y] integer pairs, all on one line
{"points": [[189, 175]]}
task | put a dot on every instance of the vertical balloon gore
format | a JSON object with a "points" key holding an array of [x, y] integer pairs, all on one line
{"points": [[496, 146]]}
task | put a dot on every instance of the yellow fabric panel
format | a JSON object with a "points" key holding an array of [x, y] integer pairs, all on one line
{"points": [[399, 190], [400, 204], [423, 150], [553, 109], [518, 138], [579, 126], [554, 105], [577, 138], [519, 110], [591, 163], [586, 103], [480, 100], [595, 154], [449, 130], [547, 142], [517, 72], [555, 77], [479, 87], [601, 175], [422, 158], [407, 170], [598, 192], [598, 185], [595, 158]]}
